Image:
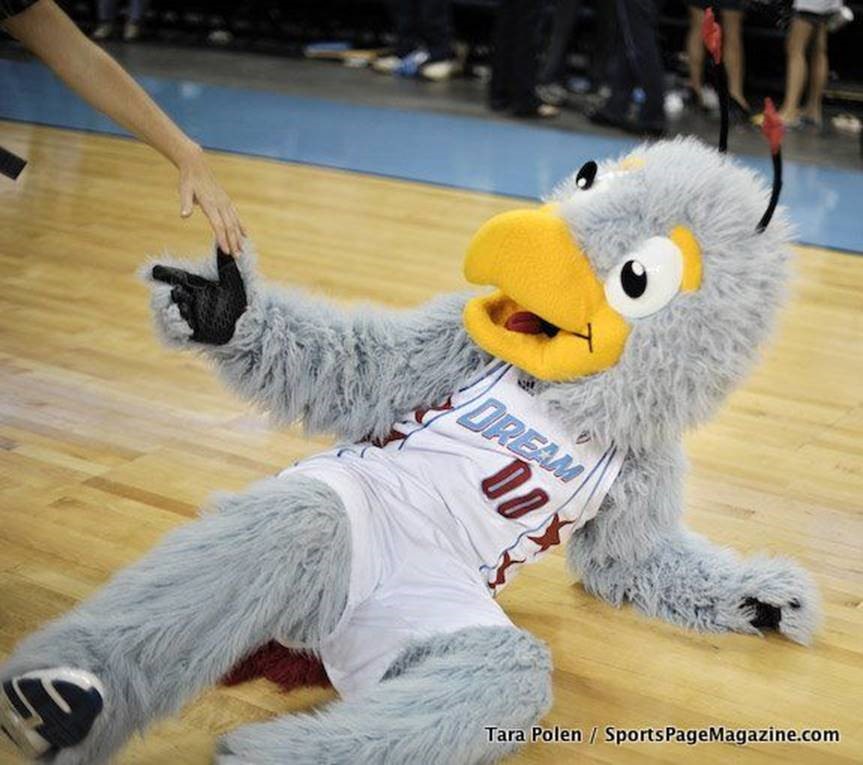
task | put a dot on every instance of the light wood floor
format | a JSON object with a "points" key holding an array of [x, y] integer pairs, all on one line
{"points": [[107, 441]]}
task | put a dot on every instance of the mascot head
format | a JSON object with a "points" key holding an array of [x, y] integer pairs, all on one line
{"points": [[641, 290]]}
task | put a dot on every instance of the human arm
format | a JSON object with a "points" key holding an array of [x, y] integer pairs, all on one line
{"points": [[49, 33]]}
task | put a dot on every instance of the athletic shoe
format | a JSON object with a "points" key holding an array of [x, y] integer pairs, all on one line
{"points": [[386, 64], [50, 709], [220, 37], [131, 31], [438, 71], [536, 110], [103, 31], [673, 104], [847, 123], [411, 64], [552, 93]]}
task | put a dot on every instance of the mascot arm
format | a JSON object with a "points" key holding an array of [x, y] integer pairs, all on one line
{"points": [[348, 372], [637, 550]]}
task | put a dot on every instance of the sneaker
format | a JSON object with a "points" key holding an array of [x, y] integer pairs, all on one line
{"points": [[709, 99], [673, 104], [131, 31], [386, 64], [539, 111], [438, 71], [220, 37], [103, 31], [411, 64], [552, 93], [847, 123], [50, 709], [700, 102]]}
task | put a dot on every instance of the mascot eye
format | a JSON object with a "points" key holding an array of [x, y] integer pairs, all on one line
{"points": [[585, 177], [646, 279], [633, 278]]}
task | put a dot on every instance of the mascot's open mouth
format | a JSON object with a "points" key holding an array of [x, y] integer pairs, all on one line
{"points": [[549, 315], [517, 319], [530, 324]]}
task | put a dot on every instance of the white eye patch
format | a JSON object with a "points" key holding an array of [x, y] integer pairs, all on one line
{"points": [[646, 279]]}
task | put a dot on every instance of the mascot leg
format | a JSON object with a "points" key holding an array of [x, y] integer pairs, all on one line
{"points": [[434, 706], [271, 562]]}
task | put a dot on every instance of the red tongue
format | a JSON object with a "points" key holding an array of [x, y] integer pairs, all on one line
{"points": [[525, 322]]}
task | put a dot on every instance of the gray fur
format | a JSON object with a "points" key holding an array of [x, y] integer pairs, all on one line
{"points": [[353, 373], [432, 708], [636, 550], [271, 562], [680, 363]]}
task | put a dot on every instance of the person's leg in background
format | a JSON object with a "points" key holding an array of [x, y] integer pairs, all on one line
{"points": [[605, 33], [646, 62], [615, 110], [500, 85], [407, 16], [107, 13], [554, 69], [436, 25], [525, 60], [732, 54], [515, 60], [695, 53], [407, 27], [795, 77], [818, 72], [137, 10], [637, 61]]}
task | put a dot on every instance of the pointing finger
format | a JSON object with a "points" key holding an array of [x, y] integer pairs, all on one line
{"points": [[169, 275]]}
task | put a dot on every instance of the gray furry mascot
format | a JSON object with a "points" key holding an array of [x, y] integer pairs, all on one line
{"points": [[477, 432]]}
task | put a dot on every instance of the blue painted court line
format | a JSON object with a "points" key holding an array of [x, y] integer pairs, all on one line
{"points": [[465, 152]]}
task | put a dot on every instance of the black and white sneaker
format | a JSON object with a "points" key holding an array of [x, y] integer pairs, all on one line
{"points": [[49, 709]]}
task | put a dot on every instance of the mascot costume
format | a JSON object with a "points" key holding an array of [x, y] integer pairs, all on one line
{"points": [[478, 432]]}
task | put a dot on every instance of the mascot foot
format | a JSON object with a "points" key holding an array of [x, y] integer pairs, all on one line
{"points": [[47, 710], [779, 595]]}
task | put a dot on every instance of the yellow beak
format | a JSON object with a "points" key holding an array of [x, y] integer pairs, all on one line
{"points": [[542, 275]]}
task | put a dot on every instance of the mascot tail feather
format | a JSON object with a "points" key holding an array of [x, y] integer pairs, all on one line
{"points": [[287, 667]]}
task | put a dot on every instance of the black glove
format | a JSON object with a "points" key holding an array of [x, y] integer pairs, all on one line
{"points": [[210, 308]]}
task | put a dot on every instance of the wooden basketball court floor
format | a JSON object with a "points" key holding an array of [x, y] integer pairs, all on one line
{"points": [[107, 441]]}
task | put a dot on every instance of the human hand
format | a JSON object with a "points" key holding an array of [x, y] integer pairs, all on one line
{"points": [[199, 186]]}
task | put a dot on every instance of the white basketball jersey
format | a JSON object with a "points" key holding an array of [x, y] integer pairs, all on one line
{"points": [[486, 475]]}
